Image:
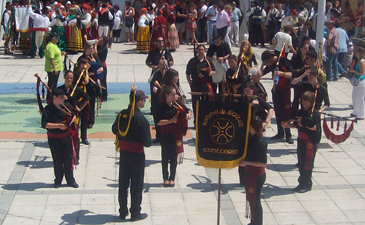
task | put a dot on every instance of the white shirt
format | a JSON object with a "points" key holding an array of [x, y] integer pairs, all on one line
{"points": [[86, 19], [117, 19], [271, 11], [281, 38], [39, 21], [141, 21], [202, 10]]}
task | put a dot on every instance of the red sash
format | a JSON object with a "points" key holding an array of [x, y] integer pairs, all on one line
{"points": [[309, 150], [252, 174], [135, 147], [282, 81]]}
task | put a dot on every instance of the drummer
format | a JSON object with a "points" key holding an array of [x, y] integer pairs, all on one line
{"points": [[219, 52]]}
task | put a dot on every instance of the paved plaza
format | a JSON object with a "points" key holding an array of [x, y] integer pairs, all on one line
{"points": [[27, 195]]}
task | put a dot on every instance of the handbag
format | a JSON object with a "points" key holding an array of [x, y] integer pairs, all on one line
{"points": [[129, 21], [355, 81]]}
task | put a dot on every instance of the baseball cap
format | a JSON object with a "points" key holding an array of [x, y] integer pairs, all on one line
{"points": [[58, 91], [140, 95]]}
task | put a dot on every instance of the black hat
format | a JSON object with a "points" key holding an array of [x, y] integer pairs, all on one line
{"points": [[58, 91], [149, 6], [140, 95]]}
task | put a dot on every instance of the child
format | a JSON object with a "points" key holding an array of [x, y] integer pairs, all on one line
{"points": [[309, 135]]}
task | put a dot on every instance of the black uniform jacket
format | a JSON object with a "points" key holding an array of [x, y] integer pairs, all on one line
{"points": [[139, 129], [52, 114]]}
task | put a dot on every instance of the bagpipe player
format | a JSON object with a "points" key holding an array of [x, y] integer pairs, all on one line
{"points": [[132, 132]]}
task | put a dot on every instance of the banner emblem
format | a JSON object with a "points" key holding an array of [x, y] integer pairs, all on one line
{"points": [[222, 133]]}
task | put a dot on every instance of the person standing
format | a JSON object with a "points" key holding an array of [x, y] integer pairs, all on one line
{"points": [[58, 25], [181, 15], [358, 91], [40, 25], [254, 164], [191, 26], [171, 29], [102, 52], [59, 137], [211, 14], [257, 16], [199, 72], [143, 36], [284, 37], [332, 51], [342, 46], [219, 51], [222, 23], [159, 30], [281, 90], [78, 102], [270, 22], [7, 23], [201, 32], [53, 63], [104, 17], [172, 117], [117, 26], [235, 24], [132, 132], [309, 135]]}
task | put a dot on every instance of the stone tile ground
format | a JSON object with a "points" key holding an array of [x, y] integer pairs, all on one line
{"points": [[27, 196]]}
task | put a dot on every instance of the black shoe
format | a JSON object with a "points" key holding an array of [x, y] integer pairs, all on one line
{"points": [[90, 126], [278, 136], [57, 185], [140, 216], [85, 142], [289, 140], [74, 185], [122, 217], [296, 165], [77, 162], [301, 189], [156, 141]]}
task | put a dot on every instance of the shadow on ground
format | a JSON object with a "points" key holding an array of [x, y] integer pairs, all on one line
{"points": [[88, 217]]}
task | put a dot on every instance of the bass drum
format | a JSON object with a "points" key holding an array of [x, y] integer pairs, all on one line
{"points": [[220, 71]]}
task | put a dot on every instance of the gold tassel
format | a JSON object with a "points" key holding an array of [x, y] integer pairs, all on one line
{"points": [[131, 114]]}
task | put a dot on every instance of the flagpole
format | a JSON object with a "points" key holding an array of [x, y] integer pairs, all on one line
{"points": [[219, 195]]}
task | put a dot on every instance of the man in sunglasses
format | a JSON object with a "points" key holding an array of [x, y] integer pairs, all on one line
{"points": [[156, 54]]}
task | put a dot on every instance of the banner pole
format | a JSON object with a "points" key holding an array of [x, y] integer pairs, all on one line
{"points": [[219, 195]]}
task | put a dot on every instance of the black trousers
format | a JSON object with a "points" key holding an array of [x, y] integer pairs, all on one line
{"points": [[154, 110], [61, 150], [305, 163], [84, 121], [131, 169], [104, 92], [258, 208], [242, 175], [222, 32], [201, 31], [296, 102], [256, 36], [168, 155], [280, 100], [92, 95], [52, 82]]}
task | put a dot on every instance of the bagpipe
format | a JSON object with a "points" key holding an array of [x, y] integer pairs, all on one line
{"points": [[182, 122], [83, 71], [335, 138]]}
